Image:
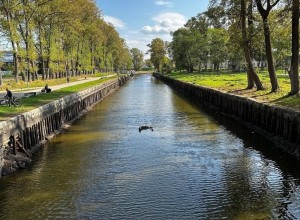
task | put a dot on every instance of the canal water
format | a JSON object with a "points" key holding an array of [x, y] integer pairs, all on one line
{"points": [[195, 164]]}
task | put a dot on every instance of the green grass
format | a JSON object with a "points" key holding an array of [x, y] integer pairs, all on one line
{"points": [[237, 82], [11, 84], [39, 100]]}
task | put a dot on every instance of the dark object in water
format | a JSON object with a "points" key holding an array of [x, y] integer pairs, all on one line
{"points": [[145, 128]]}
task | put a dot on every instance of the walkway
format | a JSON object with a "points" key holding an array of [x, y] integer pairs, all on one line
{"points": [[19, 93]]}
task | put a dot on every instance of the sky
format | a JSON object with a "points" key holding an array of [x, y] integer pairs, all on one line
{"points": [[140, 21]]}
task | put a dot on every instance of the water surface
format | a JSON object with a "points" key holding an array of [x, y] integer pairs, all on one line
{"points": [[193, 165]]}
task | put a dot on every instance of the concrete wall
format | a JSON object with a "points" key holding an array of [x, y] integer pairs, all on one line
{"points": [[278, 124], [37, 125]]}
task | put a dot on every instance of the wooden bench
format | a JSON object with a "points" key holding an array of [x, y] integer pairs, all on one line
{"points": [[28, 94]]}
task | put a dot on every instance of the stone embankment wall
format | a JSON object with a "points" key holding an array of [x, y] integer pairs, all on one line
{"points": [[40, 124], [278, 124]]}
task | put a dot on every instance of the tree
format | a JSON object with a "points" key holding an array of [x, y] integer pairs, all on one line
{"points": [[148, 64], [121, 56], [294, 74], [251, 73], [157, 52], [1, 64], [264, 12], [9, 9], [137, 58], [183, 46], [190, 47], [217, 40], [57, 38]]}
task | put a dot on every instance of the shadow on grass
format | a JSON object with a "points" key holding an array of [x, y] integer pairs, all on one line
{"points": [[33, 102], [292, 101], [241, 91]]}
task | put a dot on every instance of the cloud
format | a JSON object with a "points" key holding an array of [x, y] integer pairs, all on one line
{"points": [[140, 43], [164, 3], [165, 23], [117, 23]]}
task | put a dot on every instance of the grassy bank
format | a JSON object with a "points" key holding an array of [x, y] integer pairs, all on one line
{"points": [[237, 82], [10, 83], [36, 101]]}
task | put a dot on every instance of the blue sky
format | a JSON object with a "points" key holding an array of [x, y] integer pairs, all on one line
{"points": [[140, 21]]}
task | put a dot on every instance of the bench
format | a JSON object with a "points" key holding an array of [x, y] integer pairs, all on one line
{"points": [[28, 94], [3, 101]]}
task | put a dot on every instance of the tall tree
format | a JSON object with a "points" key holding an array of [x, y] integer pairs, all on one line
{"points": [[157, 52], [1, 64], [10, 9], [251, 73], [294, 75], [265, 12], [137, 58]]}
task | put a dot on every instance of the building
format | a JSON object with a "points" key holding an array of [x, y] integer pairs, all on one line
{"points": [[7, 60]]}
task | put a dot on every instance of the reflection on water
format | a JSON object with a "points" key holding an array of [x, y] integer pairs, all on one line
{"points": [[192, 166]]}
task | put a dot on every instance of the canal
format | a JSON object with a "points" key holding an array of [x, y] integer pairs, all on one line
{"points": [[196, 164]]}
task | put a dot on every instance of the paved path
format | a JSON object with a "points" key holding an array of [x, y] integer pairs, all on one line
{"points": [[20, 92]]}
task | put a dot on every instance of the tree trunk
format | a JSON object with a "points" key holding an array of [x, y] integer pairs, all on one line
{"points": [[23, 75], [294, 75], [72, 68], [41, 58], [250, 26], [271, 68], [264, 14], [1, 81], [77, 60], [251, 73], [250, 80], [16, 65]]}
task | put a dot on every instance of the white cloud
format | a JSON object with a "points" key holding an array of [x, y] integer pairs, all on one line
{"points": [[165, 23], [141, 44], [117, 23], [164, 3]]}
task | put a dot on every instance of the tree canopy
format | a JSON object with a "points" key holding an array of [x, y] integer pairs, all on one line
{"points": [[60, 37], [242, 35]]}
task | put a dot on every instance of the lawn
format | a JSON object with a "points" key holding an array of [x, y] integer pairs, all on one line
{"points": [[237, 82], [36, 101], [10, 83]]}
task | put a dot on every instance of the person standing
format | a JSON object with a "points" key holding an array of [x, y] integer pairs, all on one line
{"points": [[9, 96]]}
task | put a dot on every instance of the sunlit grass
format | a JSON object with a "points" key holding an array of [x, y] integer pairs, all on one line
{"points": [[39, 100], [11, 84], [237, 82]]}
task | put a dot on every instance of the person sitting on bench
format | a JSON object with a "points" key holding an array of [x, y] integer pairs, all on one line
{"points": [[46, 89]]}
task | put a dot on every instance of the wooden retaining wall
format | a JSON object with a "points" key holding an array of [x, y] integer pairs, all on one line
{"points": [[279, 124], [37, 125]]}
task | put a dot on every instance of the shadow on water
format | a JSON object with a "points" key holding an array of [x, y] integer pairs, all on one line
{"points": [[196, 164], [250, 138], [242, 192]]}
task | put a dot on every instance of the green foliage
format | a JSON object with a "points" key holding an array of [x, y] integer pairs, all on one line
{"points": [[36, 101], [137, 58], [56, 37], [157, 52], [215, 37]]}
